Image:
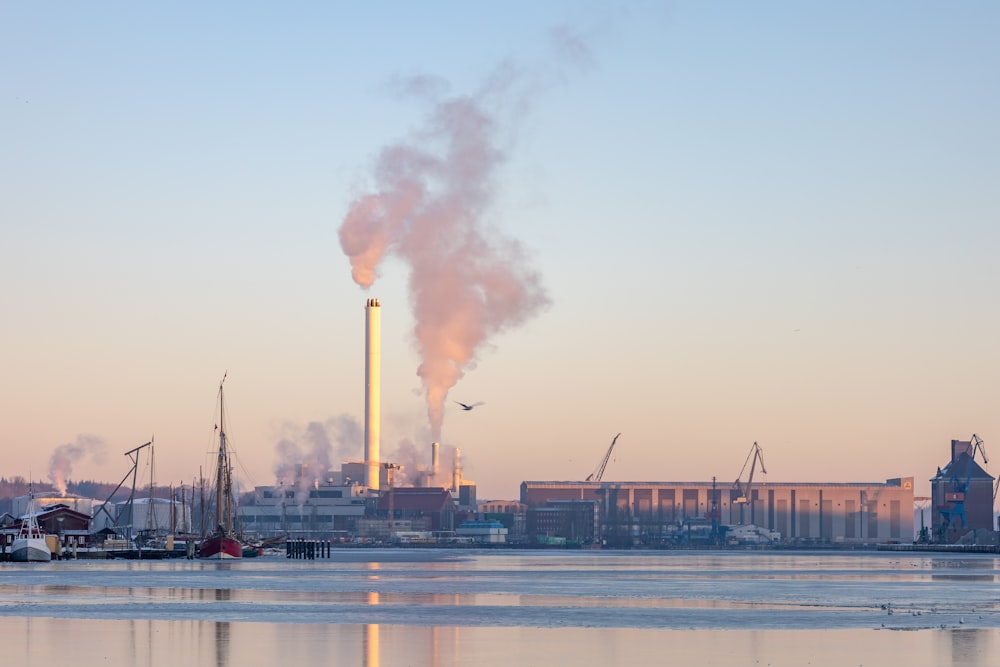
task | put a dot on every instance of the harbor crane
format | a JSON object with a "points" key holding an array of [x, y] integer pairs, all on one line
{"points": [[960, 488], [599, 473], [740, 493], [133, 455], [389, 467]]}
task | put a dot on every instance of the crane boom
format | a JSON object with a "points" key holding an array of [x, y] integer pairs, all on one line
{"points": [[389, 467], [957, 497], [743, 492], [740, 494], [599, 473]]}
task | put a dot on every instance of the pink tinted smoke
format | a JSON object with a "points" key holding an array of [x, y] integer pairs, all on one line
{"points": [[466, 283]]}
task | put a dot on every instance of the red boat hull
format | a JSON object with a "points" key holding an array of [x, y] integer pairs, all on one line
{"points": [[220, 547]]}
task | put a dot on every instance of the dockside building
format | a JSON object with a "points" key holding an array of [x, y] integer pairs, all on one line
{"points": [[653, 512]]}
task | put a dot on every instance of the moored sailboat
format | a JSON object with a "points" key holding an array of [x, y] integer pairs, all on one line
{"points": [[30, 545], [221, 543]]}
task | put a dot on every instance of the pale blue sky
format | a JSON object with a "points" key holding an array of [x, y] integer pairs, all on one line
{"points": [[754, 221]]}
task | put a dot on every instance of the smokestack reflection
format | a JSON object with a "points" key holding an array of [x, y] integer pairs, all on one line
{"points": [[371, 641]]}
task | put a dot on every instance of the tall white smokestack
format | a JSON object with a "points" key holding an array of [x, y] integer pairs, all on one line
{"points": [[373, 371]]}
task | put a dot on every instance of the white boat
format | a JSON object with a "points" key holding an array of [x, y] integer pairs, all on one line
{"points": [[30, 545], [750, 534]]}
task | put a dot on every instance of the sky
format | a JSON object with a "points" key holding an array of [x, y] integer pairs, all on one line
{"points": [[699, 225]]}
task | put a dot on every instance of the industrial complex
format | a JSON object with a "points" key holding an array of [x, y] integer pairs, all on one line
{"points": [[361, 503], [594, 512]]}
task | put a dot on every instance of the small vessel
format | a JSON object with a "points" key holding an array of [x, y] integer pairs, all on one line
{"points": [[221, 543], [30, 545], [252, 550]]}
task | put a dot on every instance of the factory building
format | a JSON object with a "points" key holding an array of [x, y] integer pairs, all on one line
{"points": [[43, 499], [512, 514], [961, 494], [630, 513], [576, 521], [482, 531], [433, 509], [323, 509]]}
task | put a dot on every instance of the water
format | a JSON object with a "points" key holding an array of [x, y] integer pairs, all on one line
{"points": [[455, 607]]}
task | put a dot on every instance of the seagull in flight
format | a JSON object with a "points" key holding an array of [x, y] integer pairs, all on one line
{"points": [[469, 407]]}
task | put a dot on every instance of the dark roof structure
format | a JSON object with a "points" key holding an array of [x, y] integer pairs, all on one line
{"points": [[961, 468], [418, 499]]}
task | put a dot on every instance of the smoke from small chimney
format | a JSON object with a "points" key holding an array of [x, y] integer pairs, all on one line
{"points": [[65, 456], [305, 455]]}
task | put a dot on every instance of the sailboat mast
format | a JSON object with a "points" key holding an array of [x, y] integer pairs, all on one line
{"points": [[151, 523], [220, 498], [201, 505]]}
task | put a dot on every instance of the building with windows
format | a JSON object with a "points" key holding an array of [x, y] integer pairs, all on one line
{"points": [[805, 513], [961, 495], [322, 510], [482, 531], [575, 521]]}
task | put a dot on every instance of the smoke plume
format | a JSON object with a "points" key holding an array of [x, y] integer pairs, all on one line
{"points": [[467, 282], [415, 465], [305, 457], [65, 456]]}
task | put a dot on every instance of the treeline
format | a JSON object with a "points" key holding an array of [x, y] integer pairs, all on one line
{"points": [[14, 487]]}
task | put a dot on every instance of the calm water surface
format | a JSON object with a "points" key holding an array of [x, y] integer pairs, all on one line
{"points": [[447, 607]]}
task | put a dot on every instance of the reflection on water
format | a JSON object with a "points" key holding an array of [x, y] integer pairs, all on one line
{"points": [[222, 631], [371, 643], [371, 640], [443, 608], [41, 642]]}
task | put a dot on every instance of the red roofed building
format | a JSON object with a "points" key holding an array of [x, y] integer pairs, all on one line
{"points": [[72, 527], [431, 506]]}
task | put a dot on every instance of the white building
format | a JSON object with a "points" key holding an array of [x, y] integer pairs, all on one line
{"points": [[323, 510], [487, 532], [72, 501]]}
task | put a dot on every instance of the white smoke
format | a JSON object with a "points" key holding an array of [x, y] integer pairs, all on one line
{"points": [[467, 281], [306, 455], [65, 456]]}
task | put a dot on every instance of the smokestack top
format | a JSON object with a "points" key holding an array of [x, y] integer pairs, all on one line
{"points": [[372, 303]]}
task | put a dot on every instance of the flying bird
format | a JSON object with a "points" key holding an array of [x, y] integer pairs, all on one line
{"points": [[469, 407]]}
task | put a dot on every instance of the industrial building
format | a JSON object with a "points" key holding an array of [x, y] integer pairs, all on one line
{"points": [[962, 494], [482, 532], [75, 502], [324, 509], [361, 500], [332, 509], [656, 513]]}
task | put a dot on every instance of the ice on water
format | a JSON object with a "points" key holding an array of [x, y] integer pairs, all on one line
{"points": [[540, 589]]}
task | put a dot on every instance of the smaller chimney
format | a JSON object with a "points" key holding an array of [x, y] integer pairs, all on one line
{"points": [[456, 475], [959, 447], [435, 461]]}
